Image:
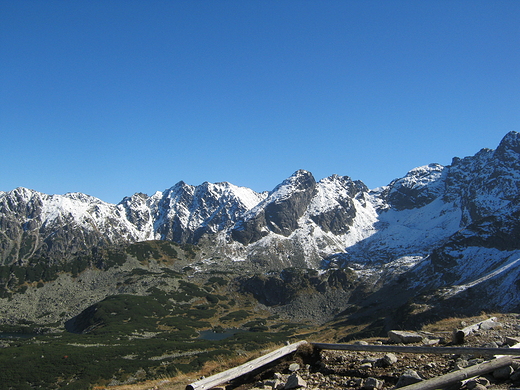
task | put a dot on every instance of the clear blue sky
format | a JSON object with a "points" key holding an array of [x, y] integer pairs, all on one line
{"points": [[113, 97]]}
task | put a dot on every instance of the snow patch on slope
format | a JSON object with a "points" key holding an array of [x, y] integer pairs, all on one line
{"points": [[406, 232], [488, 265]]}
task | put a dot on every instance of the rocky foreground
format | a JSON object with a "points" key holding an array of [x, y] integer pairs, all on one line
{"points": [[327, 369]]}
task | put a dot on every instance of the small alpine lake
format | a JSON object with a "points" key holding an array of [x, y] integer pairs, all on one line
{"points": [[216, 335]]}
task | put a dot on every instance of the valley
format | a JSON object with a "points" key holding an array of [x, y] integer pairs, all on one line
{"points": [[114, 294]]}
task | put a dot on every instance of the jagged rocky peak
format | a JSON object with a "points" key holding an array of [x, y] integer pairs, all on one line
{"points": [[81, 197], [137, 209], [57, 226], [180, 192], [486, 183], [21, 201], [225, 192], [299, 181], [506, 155], [509, 148], [137, 198], [290, 200], [280, 211], [333, 207], [419, 187]]}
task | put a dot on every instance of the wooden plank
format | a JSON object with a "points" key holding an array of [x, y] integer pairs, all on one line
{"points": [[459, 334], [460, 375], [232, 373], [419, 349]]}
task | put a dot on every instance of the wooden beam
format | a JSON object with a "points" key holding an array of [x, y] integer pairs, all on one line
{"points": [[419, 349], [513, 346], [459, 334], [232, 373], [460, 375]]}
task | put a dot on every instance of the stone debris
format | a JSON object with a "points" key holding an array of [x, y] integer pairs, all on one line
{"points": [[371, 360], [431, 342], [273, 383]]}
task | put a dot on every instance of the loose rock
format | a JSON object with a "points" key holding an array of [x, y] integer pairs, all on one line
{"points": [[272, 383], [387, 360], [294, 367], [295, 381], [372, 383], [408, 377]]}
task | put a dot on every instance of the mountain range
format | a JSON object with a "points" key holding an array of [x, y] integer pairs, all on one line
{"points": [[441, 234]]}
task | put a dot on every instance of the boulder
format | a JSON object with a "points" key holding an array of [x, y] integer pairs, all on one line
{"points": [[405, 337], [490, 324], [503, 372]]}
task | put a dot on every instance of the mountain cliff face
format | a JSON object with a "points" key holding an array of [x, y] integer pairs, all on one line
{"points": [[279, 212], [441, 226]]}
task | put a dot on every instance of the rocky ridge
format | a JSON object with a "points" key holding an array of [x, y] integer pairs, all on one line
{"points": [[443, 234]]}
